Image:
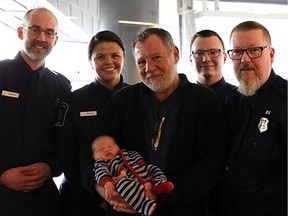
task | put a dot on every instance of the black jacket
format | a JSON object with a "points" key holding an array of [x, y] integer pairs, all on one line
{"points": [[196, 154]]}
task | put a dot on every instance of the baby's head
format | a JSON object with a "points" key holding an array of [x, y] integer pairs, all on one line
{"points": [[104, 148]]}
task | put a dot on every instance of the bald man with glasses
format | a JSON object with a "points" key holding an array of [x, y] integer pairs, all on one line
{"points": [[31, 96]]}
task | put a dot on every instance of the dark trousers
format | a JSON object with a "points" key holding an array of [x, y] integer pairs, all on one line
{"points": [[79, 202], [43, 201]]}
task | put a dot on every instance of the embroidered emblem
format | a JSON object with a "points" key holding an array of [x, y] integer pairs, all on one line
{"points": [[263, 124]]}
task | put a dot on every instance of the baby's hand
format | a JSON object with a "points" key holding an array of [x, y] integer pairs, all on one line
{"points": [[148, 191], [123, 173], [116, 179]]}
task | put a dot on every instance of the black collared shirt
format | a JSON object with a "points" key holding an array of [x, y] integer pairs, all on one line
{"points": [[221, 88], [256, 169], [17, 147], [156, 110]]}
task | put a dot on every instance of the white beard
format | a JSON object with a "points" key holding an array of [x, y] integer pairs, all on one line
{"points": [[249, 88]]}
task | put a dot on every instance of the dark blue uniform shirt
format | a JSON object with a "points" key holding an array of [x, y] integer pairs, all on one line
{"points": [[256, 171], [28, 112]]}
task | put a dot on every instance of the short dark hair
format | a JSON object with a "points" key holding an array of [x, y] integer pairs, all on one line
{"points": [[161, 33], [204, 34], [104, 36]]}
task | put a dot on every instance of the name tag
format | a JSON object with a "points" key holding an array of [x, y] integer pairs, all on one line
{"points": [[10, 94], [88, 113]]}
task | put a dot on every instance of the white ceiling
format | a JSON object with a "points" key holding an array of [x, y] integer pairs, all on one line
{"points": [[12, 12]]}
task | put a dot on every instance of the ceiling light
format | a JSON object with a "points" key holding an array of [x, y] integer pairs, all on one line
{"points": [[137, 23]]}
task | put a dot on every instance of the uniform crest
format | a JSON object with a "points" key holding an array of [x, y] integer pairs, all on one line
{"points": [[263, 124]]}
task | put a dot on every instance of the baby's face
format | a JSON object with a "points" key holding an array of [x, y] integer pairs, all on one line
{"points": [[105, 149]]}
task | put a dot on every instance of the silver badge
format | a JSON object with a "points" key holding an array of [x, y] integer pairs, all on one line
{"points": [[263, 125]]}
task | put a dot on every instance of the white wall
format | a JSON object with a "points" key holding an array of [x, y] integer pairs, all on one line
{"points": [[71, 58], [273, 17]]}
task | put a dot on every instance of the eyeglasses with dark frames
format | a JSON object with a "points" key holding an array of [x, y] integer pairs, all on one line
{"points": [[157, 134], [36, 31], [253, 52], [213, 53]]}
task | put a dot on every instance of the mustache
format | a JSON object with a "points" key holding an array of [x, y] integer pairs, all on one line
{"points": [[152, 74], [40, 43], [246, 67]]}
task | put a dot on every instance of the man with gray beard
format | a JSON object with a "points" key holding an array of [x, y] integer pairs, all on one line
{"points": [[173, 123], [255, 180]]}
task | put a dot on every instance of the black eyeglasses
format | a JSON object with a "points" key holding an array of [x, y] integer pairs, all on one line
{"points": [[157, 134], [253, 52], [213, 53], [36, 31]]}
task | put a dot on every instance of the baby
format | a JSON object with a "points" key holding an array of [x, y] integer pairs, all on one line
{"points": [[135, 175]]}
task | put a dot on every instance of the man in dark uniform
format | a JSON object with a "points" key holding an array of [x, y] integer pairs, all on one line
{"points": [[256, 173], [29, 103], [207, 52]]}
